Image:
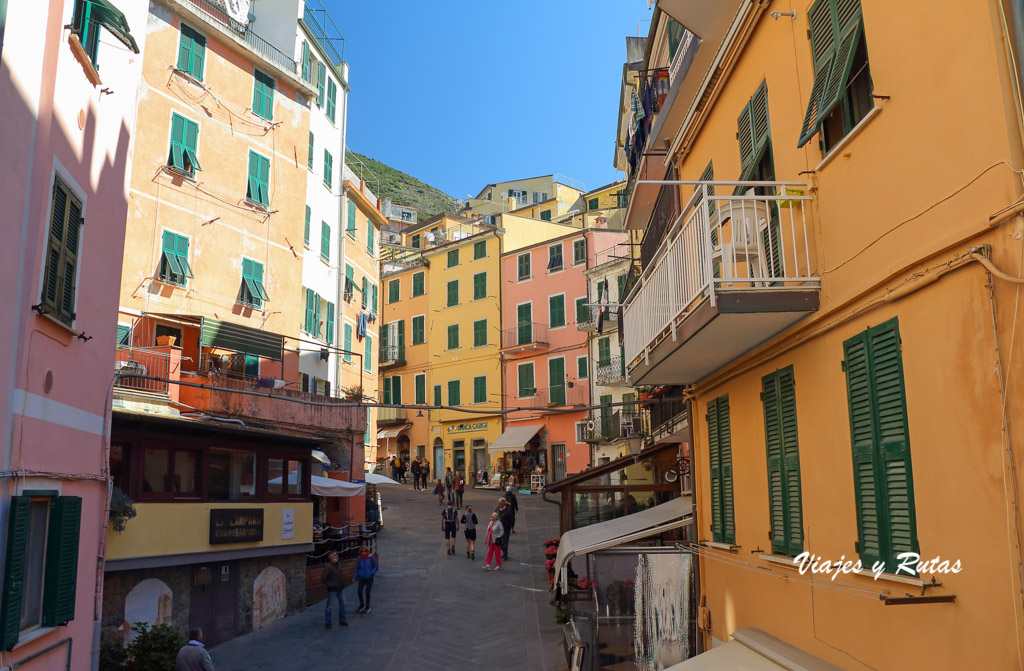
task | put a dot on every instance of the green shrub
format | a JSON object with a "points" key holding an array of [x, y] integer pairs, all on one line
{"points": [[122, 509], [154, 648], [113, 656]]}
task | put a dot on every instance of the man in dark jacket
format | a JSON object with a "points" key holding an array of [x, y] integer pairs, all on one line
{"points": [[334, 581], [507, 516], [193, 656], [416, 470]]}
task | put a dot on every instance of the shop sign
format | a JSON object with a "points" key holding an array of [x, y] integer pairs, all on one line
{"points": [[463, 428], [236, 525], [287, 524]]}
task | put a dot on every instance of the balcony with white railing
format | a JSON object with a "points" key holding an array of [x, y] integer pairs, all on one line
{"points": [[610, 373], [730, 272]]}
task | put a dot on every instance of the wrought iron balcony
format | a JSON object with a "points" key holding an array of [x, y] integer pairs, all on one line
{"points": [[610, 372], [216, 13], [392, 355], [569, 394], [526, 335], [391, 416]]}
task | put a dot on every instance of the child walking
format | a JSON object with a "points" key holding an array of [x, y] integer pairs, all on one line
{"points": [[439, 490]]}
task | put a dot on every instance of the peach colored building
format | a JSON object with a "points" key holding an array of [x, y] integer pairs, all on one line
{"points": [[68, 86]]}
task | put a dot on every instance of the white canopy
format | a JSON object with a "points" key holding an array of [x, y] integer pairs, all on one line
{"points": [[754, 650], [676, 513], [515, 438], [375, 479], [322, 486], [392, 432], [733, 655]]}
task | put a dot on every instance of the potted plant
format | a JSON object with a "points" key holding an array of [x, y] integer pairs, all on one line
{"points": [[165, 340], [561, 615], [122, 509]]}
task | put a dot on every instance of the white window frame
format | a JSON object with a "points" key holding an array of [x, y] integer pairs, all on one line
{"points": [[519, 367], [416, 377], [529, 277], [565, 310], [578, 357], [562, 249]]}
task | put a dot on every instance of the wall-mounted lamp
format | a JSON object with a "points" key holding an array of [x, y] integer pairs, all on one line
{"points": [[777, 15]]}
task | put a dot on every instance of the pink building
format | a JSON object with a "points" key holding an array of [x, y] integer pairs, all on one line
{"points": [[69, 75], [547, 367]]}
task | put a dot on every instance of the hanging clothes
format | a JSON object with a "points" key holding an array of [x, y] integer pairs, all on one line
{"points": [[361, 327]]}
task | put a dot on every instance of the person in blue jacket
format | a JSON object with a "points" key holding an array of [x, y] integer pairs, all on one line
{"points": [[366, 568]]}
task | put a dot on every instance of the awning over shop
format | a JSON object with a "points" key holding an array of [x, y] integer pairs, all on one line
{"points": [[322, 457], [515, 438], [321, 486], [392, 432], [754, 650], [226, 335], [603, 535]]}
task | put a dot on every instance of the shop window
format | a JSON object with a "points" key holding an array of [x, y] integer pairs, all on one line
{"points": [[168, 473], [231, 475], [285, 477]]}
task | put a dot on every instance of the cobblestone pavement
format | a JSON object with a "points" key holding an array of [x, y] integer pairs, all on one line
{"points": [[431, 610]]}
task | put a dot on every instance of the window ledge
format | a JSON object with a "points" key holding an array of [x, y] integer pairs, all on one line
{"points": [[188, 76], [61, 324], [83, 59], [892, 577], [722, 546], [256, 205], [854, 132], [32, 635], [781, 560]]}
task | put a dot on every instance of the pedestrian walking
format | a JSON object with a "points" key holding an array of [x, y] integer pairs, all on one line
{"points": [[492, 541], [449, 481], [508, 520], [460, 488], [417, 469], [193, 655], [394, 469], [403, 468], [513, 502], [469, 523], [450, 526], [425, 473], [439, 490], [366, 568], [334, 581]]}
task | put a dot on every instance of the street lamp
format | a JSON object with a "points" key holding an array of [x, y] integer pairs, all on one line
{"points": [[634, 441]]}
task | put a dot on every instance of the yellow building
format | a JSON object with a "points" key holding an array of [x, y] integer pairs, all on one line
{"points": [[556, 193], [845, 320]]}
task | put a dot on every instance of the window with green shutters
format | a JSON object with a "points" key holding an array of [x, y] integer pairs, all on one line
{"points": [[880, 439], [419, 330], [263, 95], [723, 524], [420, 385], [347, 342], [555, 258], [253, 292], [351, 228], [556, 381], [604, 351], [309, 156], [524, 324], [480, 389], [454, 392], [582, 368], [556, 311], [392, 390], [526, 386], [453, 336], [373, 304], [453, 293], [332, 99], [325, 242], [305, 236], [365, 293], [328, 169], [479, 286], [329, 334], [418, 282], [258, 186], [369, 238], [582, 311], [480, 333], [523, 267], [124, 335], [841, 93], [368, 353], [309, 324], [184, 141], [479, 250], [350, 282], [191, 52], [416, 241], [174, 265], [306, 61], [393, 291], [754, 133], [593, 204], [437, 394], [785, 509], [453, 258], [579, 251], [545, 215]]}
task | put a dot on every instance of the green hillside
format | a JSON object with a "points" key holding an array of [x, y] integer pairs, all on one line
{"points": [[401, 188]]}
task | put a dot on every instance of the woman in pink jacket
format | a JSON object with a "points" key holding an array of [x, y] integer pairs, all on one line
{"points": [[493, 542]]}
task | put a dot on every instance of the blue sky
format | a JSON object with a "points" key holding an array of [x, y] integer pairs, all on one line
{"points": [[459, 94]]}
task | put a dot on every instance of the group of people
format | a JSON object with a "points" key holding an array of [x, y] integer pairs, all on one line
{"points": [[502, 524], [419, 467], [451, 488]]}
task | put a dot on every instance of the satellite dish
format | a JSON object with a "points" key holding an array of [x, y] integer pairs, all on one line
{"points": [[238, 10]]}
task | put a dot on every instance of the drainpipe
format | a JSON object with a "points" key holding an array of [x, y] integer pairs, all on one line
{"points": [[339, 322]]}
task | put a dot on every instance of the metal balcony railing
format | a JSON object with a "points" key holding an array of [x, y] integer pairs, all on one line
{"points": [[324, 30], [387, 416], [612, 371], [216, 13], [586, 318], [756, 238], [556, 396], [526, 334], [392, 354], [141, 361]]}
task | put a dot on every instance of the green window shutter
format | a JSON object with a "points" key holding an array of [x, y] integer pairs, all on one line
{"points": [[606, 416], [545, 215], [177, 157], [308, 325], [309, 155], [556, 381], [325, 241], [305, 60], [720, 446], [416, 241], [420, 392], [604, 351], [396, 390], [593, 204], [582, 311], [328, 169], [453, 336], [332, 96], [386, 390], [330, 326], [453, 258], [582, 371], [419, 335], [259, 179], [454, 392], [479, 250], [61, 573], [479, 286], [579, 251], [369, 237], [556, 311], [190, 143], [191, 52], [181, 251], [62, 253], [347, 342], [263, 95], [753, 129], [526, 384], [14, 571], [122, 334], [437, 394], [393, 291], [401, 336], [480, 389], [351, 230], [257, 280], [524, 324], [368, 353], [365, 293], [350, 282], [320, 83], [523, 266], [374, 304], [170, 267], [252, 281], [453, 293], [778, 397], [417, 284], [676, 32], [305, 237], [480, 333], [316, 315]]}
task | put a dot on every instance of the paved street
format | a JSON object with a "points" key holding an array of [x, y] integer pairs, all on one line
{"points": [[430, 610]]}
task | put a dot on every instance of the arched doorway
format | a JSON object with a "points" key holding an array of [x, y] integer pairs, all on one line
{"points": [[438, 463]]}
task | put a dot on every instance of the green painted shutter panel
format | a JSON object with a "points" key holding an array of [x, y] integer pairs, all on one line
{"points": [[325, 241], [840, 74], [14, 571], [264, 179], [725, 459], [374, 307], [332, 95], [421, 389], [417, 284], [350, 282], [305, 60], [177, 157], [746, 137], [351, 217], [593, 204], [773, 447], [479, 286], [556, 381], [526, 387], [862, 436], [253, 190], [70, 260], [778, 396], [604, 351], [309, 155], [369, 237], [582, 371], [418, 331], [479, 250], [437, 394], [305, 237], [368, 353], [556, 311], [401, 334], [759, 119], [480, 389], [365, 293], [524, 323], [791, 462], [393, 291], [715, 468], [320, 83], [454, 393], [385, 338], [453, 293], [61, 561], [55, 245], [453, 258], [676, 32], [328, 169], [453, 336], [330, 326], [823, 37], [582, 311], [316, 315], [347, 343], [310, 297], [606, 416], [387, 390], [480, 333]]}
